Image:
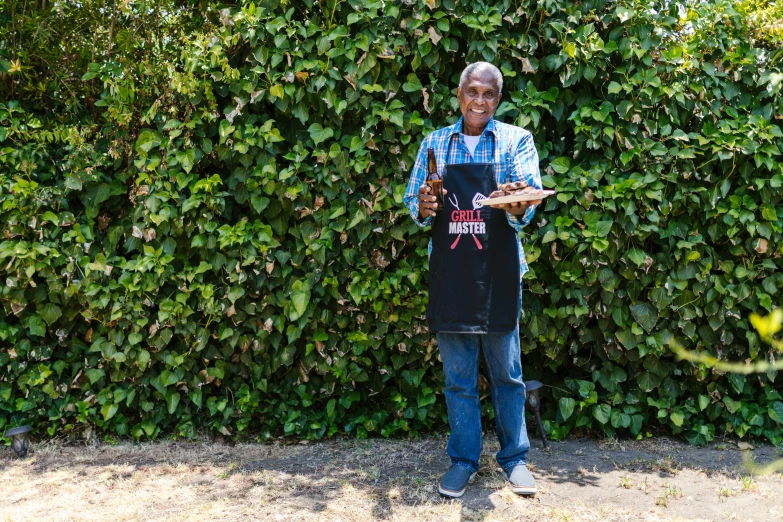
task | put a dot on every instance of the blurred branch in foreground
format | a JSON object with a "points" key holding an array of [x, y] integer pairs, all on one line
{"points": [[766, 327]]}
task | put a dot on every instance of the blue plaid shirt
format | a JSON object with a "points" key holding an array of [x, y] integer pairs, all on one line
{"points": [[516, 159]]}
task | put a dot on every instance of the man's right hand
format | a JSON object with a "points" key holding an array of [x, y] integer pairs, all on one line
{"points": [[428, 204]]}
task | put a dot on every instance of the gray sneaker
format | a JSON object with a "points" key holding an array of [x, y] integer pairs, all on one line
{"points": [[455, 481], [520, 480]]}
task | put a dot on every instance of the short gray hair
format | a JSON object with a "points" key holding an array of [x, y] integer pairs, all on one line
{"points": [[478, 68]]}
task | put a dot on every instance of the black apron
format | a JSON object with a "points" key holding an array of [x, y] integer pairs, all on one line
{"points": [[474, 265]]}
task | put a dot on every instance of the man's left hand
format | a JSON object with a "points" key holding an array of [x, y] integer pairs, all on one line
{"points": [[518, 208]]}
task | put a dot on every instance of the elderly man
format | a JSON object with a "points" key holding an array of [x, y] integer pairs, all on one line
{"points": [[476, 280]]}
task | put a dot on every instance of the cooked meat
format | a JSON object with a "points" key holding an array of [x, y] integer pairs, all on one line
{"points": [[512, 189]]}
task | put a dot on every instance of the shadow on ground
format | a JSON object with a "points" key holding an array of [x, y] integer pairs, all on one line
{"points": [[383, 480]]}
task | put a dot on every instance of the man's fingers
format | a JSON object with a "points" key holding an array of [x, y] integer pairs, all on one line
{"points": [[424, 189]]}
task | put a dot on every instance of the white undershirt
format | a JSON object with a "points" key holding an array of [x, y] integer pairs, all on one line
{"points": [[471, 142]]}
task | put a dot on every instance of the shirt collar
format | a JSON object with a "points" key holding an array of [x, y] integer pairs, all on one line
{"points": [[457, 128]]}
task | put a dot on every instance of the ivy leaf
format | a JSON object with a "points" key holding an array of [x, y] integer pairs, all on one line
{"points": [[603, 228], [94, 374], [50, 312], [319, 134], [172, 400], [186, 159], [108, 410], [566, 407], [561, 165], [300, 297], [602, 413], [148, 140], [142, 358], [36, 326], [225, 130], [637, 256], [412, 84], [775, 412], [167, 378], [646, 315], [648, 381]]}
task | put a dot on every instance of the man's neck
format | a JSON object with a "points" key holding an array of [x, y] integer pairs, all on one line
{"points": [[472, 131]]}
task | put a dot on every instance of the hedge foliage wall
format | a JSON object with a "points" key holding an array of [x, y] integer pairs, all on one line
{"points": [[202, 221]]}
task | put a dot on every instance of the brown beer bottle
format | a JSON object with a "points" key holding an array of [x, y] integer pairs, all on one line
{"points": [[433, 178]]}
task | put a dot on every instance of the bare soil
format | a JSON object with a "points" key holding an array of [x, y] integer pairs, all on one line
{"points": [[352, 480]]}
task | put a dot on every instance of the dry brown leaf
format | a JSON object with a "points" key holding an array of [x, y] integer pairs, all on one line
{"points": [[426, 99], [434, 36], [430, 3], [527, 67], [761, 246], [350, 80], [149, 234]]}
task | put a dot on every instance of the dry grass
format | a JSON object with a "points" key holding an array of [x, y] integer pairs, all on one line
{"points": [[369, 480]]}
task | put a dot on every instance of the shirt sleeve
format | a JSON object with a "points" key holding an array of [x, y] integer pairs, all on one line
{"points": [[524, 167], [418, 178]]}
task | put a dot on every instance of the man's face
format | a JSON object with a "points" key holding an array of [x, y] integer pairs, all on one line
{"points": [[478, 99]]}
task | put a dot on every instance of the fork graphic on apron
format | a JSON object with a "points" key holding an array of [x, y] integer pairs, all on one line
{"points": [[455, 202]]}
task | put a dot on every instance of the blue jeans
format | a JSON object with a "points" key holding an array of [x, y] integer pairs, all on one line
{"points": [[460, 356]]}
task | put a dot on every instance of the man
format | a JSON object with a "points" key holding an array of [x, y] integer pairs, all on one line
{"points": [[476, 269]]}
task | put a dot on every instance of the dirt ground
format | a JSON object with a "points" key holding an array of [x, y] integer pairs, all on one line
{"points": [[390, 480]]}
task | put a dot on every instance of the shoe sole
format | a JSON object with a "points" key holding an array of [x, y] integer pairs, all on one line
{"points": [[520, 490], [523, 490], [455, 494]]}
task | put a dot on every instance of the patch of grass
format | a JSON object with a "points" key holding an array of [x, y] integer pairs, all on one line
{"points": [[748, 484], [625, 482], [669, 493], [726, 492], [229, 470]]}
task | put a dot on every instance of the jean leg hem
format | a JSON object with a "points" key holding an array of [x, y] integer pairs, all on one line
{"points": [[509, 467], [465, 465]]}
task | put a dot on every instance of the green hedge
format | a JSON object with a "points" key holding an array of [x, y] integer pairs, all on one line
{"points": [[216, 238]]}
